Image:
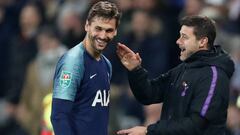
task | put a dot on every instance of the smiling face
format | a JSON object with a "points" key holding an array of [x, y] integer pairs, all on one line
{"points": [[188, 43], [100, 32]]}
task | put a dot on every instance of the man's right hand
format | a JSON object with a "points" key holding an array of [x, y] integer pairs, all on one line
{"points": [[127, 57]]}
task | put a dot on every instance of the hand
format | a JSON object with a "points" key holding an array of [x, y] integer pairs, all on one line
{"points": [[128, 58], [138, 130]]}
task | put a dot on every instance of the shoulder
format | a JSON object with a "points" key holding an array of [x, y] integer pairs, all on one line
{"points": [[209, 74], [74, 53], [72, 60], [69, 73]]}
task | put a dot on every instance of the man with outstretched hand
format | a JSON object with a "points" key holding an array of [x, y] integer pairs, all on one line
{"points": [[194, 94]]}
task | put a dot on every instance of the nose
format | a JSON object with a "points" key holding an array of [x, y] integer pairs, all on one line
{"points": [[102, 34], [178, 42]]}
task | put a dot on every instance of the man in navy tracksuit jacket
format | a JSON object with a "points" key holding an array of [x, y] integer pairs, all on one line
{"points": [[194, 94]]}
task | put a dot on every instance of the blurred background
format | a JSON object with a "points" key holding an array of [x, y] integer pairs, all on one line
{"points": [[35, 33]]}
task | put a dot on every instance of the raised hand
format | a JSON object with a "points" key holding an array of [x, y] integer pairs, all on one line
{"points": [[127, 57]]}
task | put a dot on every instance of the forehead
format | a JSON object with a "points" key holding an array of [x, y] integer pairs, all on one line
{"points": [[188, 30], [103, 22]]}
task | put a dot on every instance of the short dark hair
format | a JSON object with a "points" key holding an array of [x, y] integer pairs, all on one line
{"points": [[203, 27], [105, 9]]}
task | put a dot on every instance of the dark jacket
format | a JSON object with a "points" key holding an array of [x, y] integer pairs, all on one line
{"points": [[194, 94]]}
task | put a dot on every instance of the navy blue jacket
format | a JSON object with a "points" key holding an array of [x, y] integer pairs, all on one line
{"points": [[195, 94]]}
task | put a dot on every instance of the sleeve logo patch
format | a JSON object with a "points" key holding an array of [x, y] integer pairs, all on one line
{"points": [[65, 79]]}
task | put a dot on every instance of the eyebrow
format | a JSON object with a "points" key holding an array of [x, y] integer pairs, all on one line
{"points": [[181, 33], [106, 29]]}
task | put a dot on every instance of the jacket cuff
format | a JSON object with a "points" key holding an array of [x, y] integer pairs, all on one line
{"points": [[136, 70], [151, 129]]}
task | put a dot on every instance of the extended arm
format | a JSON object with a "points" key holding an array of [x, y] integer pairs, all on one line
{"points": [[206, 113], [145, 90]]}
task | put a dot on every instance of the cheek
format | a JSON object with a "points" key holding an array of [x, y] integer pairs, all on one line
{"points": [[189, 48], [111, 35], [192, 49], [189, 45], [92, 34], [91, 31]]}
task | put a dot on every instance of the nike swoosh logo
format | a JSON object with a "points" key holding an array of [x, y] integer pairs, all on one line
{"points": [[91, 77]]}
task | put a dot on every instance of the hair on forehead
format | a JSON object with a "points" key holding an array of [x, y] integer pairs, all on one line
{"points": [[105, 10], [202, 27]]}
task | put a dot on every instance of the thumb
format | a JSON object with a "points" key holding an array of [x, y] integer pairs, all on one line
{"points": [[138, 57]]}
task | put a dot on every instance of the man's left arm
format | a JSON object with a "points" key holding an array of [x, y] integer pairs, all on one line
{"points": [[209, 105], [186, 126]]}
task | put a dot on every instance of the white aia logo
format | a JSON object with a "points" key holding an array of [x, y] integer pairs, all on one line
{"points": [[101, 97]]}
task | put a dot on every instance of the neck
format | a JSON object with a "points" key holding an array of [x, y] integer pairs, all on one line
{"points": [[94, 53]]}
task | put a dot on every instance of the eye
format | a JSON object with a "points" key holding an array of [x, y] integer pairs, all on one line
{"points": [[109, 30], [98, 28], [183, 36]]}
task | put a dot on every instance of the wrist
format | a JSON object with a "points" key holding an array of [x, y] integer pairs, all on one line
{"points": [[136, 68]]}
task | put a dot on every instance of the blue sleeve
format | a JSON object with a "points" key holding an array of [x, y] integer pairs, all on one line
{"points": [[68, 74], [67, 80], [61, 110]]}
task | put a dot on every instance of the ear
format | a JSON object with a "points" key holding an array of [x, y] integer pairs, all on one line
{"points": [[203, 42], [86, 26]]}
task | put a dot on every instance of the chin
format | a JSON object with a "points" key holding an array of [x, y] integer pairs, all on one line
{"points": [[182, 58], [100, 47], [99, 50]]}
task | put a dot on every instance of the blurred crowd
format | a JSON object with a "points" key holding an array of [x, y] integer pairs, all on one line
{"points": [[35, 33]]}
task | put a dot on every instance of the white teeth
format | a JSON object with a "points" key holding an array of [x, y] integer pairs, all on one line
{"points": [[100, 41]]}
